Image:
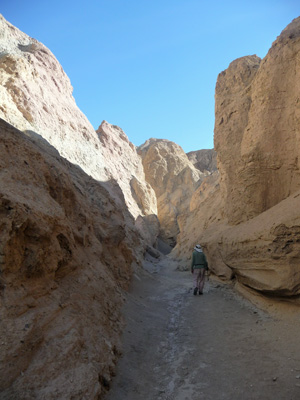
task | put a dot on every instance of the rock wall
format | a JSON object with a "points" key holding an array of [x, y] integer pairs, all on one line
{"points": [[249, 221], [72, 230], [68, 248], [173, 178], [36, 97]]}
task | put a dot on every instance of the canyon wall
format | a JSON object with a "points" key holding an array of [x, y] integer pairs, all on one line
{"points": [[248, 219], [79, 209], [36, 97], [68, 249], [77, 217], [173, 178]]}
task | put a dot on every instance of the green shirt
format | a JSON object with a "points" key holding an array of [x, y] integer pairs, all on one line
{"points": [[199, 260]]}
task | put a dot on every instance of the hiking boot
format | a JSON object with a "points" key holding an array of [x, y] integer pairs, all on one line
{"points": [[195, 291], [200, 292]]}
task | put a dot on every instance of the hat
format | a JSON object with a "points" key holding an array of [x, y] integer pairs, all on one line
{"points": [[198, 248]]}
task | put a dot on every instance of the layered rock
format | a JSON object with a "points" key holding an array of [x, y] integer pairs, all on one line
{"points": [[36, 97], [173, 178], [68, 248], [249, 225]]}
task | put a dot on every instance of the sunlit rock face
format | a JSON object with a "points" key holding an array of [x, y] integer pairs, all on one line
{"points": [[36, 97], [174, 180], [124, 164], [68, 250], [249, 225]]}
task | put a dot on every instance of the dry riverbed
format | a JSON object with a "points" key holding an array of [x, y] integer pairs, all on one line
{"points": [[177, 346]]}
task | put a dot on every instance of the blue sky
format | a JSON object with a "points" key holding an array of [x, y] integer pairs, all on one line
{"points": [[151, 67]]}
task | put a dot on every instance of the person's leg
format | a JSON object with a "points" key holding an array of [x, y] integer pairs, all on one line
{"points": [[195, 274], [201, 280], [198, 278]]}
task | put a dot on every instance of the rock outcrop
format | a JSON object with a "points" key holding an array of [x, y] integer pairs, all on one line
{"points": [[174, 180], [249, 224], [68, 248], [204, 160], [36, 97]]}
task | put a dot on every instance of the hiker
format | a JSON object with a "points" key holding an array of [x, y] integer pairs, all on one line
{"points": [[198, 267]]}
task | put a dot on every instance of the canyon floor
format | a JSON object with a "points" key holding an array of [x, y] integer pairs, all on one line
{"points": [[177, 346]]}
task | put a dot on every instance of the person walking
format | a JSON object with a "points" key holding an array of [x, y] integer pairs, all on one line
{"points": [[198, 267]]}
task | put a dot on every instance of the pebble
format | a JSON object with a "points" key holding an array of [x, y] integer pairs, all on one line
{"points": [[275, 378], [297, 376]]}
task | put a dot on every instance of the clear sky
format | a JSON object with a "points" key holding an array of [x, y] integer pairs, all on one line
{"points": [[150, 66]]}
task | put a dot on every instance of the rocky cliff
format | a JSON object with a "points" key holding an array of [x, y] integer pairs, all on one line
{"points": [[249, 224], [36, 97], [67, 253], [173, 178], [72, 230]]}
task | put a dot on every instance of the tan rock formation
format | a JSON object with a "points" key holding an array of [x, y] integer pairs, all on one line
{"points": [[249, 225], [204, 160], [173, 178], [67, 251], [124, 164], [36, 97]]}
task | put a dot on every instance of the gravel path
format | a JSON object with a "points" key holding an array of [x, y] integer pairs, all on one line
{"points": [[177, 346]]}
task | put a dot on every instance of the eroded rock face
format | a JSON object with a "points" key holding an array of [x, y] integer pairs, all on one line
{"points": [[173, 178], [257, 128], [36, 97], [249, 223], [70, 236], [124, 164], [67, 251], [204, 160]]}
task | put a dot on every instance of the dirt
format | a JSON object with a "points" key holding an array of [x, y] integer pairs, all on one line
{"points": [[177, 346]]}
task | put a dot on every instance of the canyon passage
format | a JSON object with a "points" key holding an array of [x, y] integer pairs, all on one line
{"points": [[178, 346], [97, 234]]}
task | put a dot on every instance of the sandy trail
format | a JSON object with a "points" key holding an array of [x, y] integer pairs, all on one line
{"points": [[177, 346]]}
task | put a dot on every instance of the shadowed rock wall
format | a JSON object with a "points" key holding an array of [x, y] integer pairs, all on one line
{"points": [[67, 252]]}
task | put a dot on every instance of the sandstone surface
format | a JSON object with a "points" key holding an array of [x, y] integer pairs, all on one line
{"points": [[249, 221], [68, 249], [173, 178]]}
